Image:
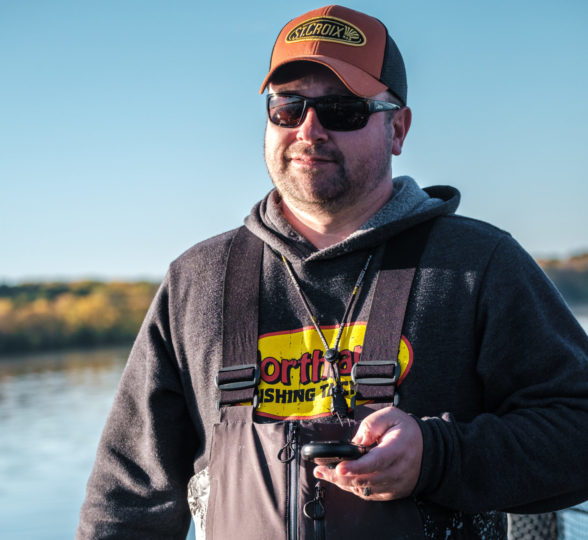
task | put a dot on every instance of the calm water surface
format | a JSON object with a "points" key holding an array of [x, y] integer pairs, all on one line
{"points": [[52, 410]]}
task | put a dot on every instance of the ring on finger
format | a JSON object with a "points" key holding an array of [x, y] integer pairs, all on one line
{"points": [[367, 491]]}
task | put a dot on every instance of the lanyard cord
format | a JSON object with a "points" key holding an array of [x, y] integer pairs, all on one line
{"points": [[339, 405]]}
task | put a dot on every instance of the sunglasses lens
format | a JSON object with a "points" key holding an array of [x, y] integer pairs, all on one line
{"points": [[336, 113], [342, 114], [285, 111]]}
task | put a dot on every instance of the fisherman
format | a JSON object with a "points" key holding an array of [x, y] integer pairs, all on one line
{"points": [[421, 358]]}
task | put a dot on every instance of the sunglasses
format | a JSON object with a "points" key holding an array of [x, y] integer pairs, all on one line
{"points": [[335, 113]]}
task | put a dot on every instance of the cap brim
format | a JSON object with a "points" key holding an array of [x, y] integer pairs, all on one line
{"points": [[356, 80]]}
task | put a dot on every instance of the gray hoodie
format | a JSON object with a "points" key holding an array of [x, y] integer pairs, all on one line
{"points": [[495, 370]]}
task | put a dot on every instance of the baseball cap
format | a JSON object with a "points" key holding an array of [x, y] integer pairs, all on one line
{"points": [[355, 46]]}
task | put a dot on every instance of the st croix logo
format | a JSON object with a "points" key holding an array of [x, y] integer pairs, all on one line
{"points": [[327, 29]]}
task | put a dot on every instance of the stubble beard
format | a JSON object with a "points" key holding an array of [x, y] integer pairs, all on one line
{"points": [[311, 188], [316, 191], [329, 193]]}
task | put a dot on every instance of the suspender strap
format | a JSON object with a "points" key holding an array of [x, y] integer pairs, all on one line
{"points": [[377, 373], [239, 376]]}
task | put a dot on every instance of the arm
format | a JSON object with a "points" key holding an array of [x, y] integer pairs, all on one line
{"points": [[527, 451], [138, 487]]}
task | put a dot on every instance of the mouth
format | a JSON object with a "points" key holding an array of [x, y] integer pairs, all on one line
{"points": [[305, 160], [310, 161], [315, 157]]}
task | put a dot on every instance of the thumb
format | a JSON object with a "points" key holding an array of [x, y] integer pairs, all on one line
{"points": [[374, 426]]}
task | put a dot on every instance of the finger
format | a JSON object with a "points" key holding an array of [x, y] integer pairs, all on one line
{"points": [[335, 477], [359, 437], [348, 482], [376, 459], [376, 424], [377, 487], [326, 473]]}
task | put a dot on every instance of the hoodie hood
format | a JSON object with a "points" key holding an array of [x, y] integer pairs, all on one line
{"points": [[408, 206]]}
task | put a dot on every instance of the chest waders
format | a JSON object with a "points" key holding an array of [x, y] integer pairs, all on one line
{"points": [[260, 488]]}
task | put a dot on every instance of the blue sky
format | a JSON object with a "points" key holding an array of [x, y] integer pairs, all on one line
{"points": [[131, 129]]}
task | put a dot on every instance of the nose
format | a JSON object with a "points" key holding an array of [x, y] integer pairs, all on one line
{"points": [[311, 130]]}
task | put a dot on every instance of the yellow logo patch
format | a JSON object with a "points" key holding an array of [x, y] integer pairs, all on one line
{"points": [[327, 29], [295, 379]]}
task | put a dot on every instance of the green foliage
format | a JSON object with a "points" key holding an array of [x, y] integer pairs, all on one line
{"points": [[39, 316], [570, 277]]}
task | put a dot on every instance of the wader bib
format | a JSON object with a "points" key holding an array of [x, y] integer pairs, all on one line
{"points": [[260, 488]]}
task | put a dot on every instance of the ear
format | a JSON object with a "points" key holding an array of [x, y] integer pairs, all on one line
{"points": [[401, 124]]}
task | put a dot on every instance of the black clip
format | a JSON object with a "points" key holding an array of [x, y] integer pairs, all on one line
{"points": [[238, 381], [374, 376], [234, 380]]}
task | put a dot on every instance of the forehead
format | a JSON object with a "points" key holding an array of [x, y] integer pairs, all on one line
{"points": [[307, 78]]}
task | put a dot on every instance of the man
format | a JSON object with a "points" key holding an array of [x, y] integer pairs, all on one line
{"points": [[351, 307]]}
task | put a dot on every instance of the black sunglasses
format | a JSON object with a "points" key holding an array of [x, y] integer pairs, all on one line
{"points": [[335, 113]]}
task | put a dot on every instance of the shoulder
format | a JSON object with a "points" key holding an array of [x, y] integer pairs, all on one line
{"points": [[458, 242], [202, 263], [469, 228], [206, 252], [466, 235]]}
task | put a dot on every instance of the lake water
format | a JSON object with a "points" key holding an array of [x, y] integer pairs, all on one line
{"points": [[52, 410]]}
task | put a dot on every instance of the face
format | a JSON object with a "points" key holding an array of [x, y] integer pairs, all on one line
{"points": [[315, 169]]}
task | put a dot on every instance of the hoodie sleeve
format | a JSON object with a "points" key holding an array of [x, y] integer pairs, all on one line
{"points": [[138, 487], [528, 451]]}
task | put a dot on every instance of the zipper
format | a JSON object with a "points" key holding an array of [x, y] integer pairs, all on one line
{"points": [[315, 510], [289, 455], [294, 482]]}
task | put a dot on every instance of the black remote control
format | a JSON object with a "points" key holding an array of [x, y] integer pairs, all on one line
{"points": [[332, 452]]}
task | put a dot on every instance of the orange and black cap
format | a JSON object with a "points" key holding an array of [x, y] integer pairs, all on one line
{"points": [[355, 46]]}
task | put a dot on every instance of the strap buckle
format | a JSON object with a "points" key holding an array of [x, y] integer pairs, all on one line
{"points": [[376, 372], [237, 377], [237, 384]]}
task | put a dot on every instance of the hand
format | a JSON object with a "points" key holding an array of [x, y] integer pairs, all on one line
{"points": [[391, 469]]}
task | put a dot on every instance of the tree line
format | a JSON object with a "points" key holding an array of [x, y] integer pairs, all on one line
{"points": [[43, 316], [570, 277]]}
